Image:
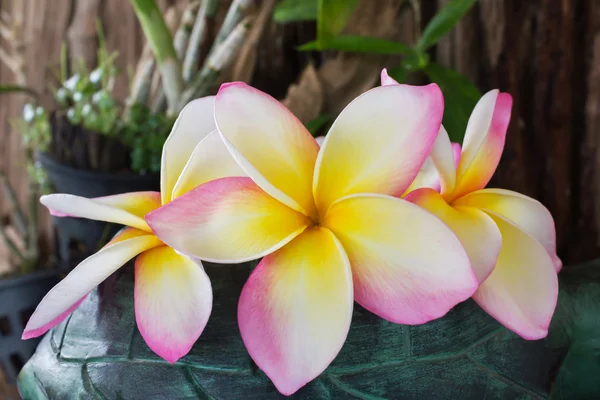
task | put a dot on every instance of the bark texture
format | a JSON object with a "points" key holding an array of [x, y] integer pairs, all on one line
{"points": [[546, 54]]}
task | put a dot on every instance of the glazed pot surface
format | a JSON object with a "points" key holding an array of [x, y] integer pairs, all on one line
{"points": [[99, 353]]}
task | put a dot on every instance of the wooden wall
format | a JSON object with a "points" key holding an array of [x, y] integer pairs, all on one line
{"points": [[546, 53]]}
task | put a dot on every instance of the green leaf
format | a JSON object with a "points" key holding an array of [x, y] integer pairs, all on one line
{"points": [[460, 97], [332, 18], [159, 37], [296, 10], [398, 73], [360, 44], [5, 89], [155, 29], [316, 124], [443, 22], [417, 61]]}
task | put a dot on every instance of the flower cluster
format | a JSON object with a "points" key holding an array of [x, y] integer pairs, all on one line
{"points": [[387, 212]]}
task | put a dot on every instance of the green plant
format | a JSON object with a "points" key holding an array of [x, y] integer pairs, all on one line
{"points": [[160, 40], [332, 16], [177, 58], [85, 97]]}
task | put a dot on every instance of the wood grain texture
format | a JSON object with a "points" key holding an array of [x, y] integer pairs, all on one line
{"points": [[546, 54]]}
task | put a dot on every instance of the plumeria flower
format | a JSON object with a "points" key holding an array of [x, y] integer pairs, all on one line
{"points": [[328, 224], [510, 238], [172, 295]]}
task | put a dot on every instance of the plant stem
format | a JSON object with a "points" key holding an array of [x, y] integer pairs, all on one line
{"points": [[245, 63], [220, 54], [190, 61], [32, 231], [186, 29], [10, 244], [11, 195], [158, 35], [236, 12], [218, 60], [180, 42], [140, 88], [416, 7]]}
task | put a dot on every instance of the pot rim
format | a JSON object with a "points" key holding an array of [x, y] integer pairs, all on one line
{"points": [[49, 162], [19, 280]]}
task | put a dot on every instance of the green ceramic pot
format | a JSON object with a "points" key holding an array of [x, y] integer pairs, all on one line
{"points": [[98, 353]]}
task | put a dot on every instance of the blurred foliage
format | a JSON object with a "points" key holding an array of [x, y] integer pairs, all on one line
{"points": [[86, 98], [146, 133], [35, 127], [460, 94], [296, 10], [332, 17], [460, 97], [443, 22], [316, 125], [5, 89], [36, 134]]}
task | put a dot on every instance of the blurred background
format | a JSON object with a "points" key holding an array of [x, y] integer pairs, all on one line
{"points": [[545, 53]]}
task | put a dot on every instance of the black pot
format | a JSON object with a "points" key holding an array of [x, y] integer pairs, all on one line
{"points": [[18, 298], [78, 238]]}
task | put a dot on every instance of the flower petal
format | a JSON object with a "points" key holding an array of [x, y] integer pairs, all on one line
{"points": [[456, 150], [483, 143], [136, 203], [173, 300], [386, 79], [443, 175], [528, 214], [442, 155], [427, 177], [408, 267], [210, 160], [379, 143], [194, 122], [125, 209], [439, 170], [33, 333], [227, 220], [476, 231], [86, 276], [269, 143], [522, 290], [295, 309]]}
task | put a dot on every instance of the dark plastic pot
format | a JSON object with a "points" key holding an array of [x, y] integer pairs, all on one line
{"points": [[78, 238], [98, 353], [19, 296]]}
